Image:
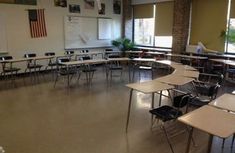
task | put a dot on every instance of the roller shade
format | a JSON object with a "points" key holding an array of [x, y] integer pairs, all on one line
{"points": [[164, 19], [232, 11], [143, 11], [209, 18]]}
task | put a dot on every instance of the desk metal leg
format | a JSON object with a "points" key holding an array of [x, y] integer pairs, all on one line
{"points": [[210, 143], [160, 99], [68, 77], [129, 110], [189, 140], [152, 106]]}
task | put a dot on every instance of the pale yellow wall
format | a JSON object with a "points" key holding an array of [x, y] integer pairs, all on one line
{"points": [[17, 26], [209, 18]]}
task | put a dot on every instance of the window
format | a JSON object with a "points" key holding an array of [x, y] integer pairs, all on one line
{"points": [[144, 31], [231, 37]]}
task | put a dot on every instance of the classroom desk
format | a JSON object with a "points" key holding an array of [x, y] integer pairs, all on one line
{"points": [[155, 49], [211, 120], [175, 80], [226, 101], [89, 54], [187, 56], [148, 87], [186, 73], [155, 53]]}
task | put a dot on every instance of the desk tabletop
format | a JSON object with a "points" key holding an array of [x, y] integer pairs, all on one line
{"points": [[226, 101], [188, 56], [88, 53], [168, 62], [144, 59], [149, 86], [186, 73], [227, 62], [176, 80], [155, 53], [84, 62], [211, 120], [118, 59]]}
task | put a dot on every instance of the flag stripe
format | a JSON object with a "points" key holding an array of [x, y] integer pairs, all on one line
{"points": [[38, 26]]}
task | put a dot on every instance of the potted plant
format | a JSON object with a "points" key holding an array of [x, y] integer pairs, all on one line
{"points": [[123, 44]]}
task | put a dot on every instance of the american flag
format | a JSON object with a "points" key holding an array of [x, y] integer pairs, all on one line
{"points": [[37, 23]]}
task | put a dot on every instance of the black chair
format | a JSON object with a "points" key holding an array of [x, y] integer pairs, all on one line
{"points": [[7, 67], [114, 66], [32, 65], [143, 67], [62, 70], [69, 52], [88, 69], [52, 64], [167, 113], [206, 88]]}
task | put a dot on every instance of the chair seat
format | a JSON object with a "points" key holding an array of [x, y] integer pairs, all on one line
{"points": [[115, 68], [52, 64], [65, 72], [34, 66], [166, 113], [197, 102], [231, 70], [13, 69], [89, 70]]}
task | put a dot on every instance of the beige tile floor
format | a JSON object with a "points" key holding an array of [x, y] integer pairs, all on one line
{"points": [[38, 118]]}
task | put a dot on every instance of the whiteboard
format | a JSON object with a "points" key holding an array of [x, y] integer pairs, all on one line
{"points": [[82, 32], [105, 28], [3, 35]]}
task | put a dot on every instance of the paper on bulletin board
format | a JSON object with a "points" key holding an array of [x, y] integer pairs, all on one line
{"points": [[105, 28]]}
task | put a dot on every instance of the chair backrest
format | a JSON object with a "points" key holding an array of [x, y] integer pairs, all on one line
{"points": [[3, 58], [86, 58], [108, 49], [29, 55], [69, 52], [114, 56], [181, 100], [63, 60], [49, 53]]}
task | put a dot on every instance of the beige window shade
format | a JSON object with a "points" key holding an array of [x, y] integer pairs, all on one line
{"points": [[209, 18], [232, 11], [164, 18], [143, 11]]}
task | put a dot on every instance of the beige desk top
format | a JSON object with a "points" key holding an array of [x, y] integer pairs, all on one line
{"points": [[149, 86], [84, 62], [155, 53], [186, 73], [118, 59], [27, 59], [134, 52], [226, 101], [187, 56], [144, 59], [227, 62], [88, 53], [168, 62], [211, 120], [175, 79]]}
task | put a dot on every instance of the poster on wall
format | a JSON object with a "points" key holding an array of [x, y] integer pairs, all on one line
{"points": [[102, 10], [89, 4], [60, 3], [23, 2], [116, 6], [74, 8]]}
